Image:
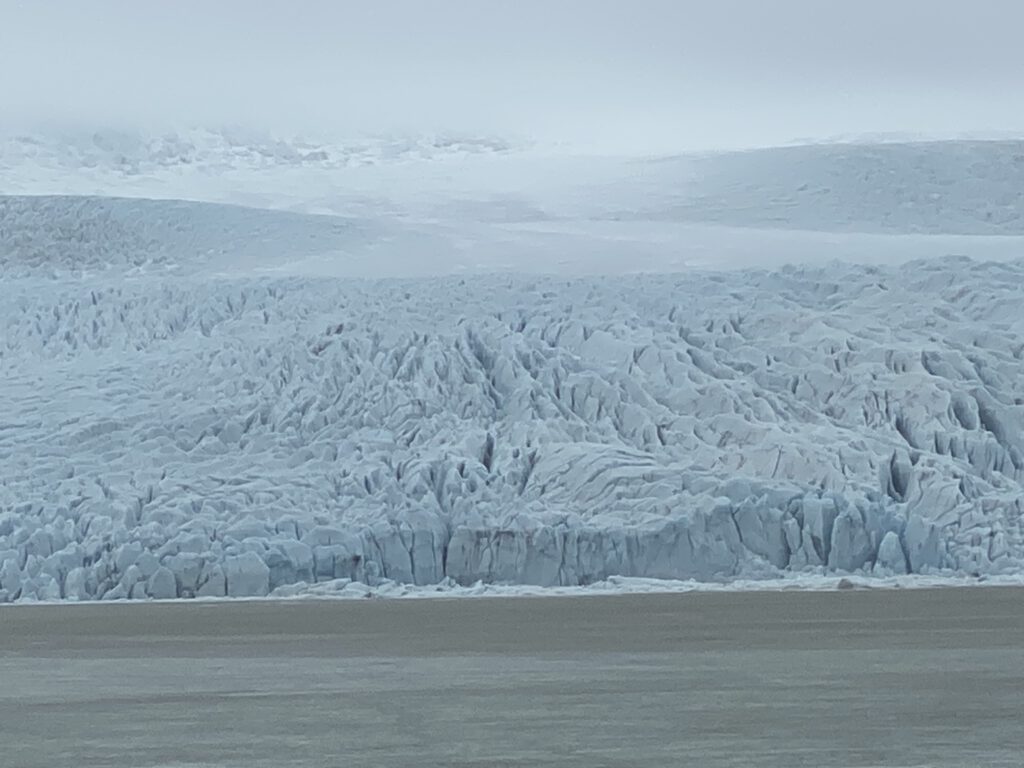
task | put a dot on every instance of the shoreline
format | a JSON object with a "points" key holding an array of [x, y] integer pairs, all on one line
{"points": [[355, 592]]}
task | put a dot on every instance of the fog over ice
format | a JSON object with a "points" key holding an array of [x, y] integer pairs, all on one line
{"points": [[652, 76]]}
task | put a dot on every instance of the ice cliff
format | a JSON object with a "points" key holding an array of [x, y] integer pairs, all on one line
{"points": [[195, 436]]}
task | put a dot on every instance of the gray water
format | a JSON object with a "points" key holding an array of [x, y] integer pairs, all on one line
{"points": [[855, 678]]}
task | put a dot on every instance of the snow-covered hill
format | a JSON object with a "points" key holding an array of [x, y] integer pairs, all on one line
{"points": [[82, 236], [948, 187], [966, 187], [199, 399]]}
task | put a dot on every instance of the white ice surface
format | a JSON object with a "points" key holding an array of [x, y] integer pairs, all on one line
{"points": [[445, 205], [199, 398]]}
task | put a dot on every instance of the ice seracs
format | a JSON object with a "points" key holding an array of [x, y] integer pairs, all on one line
{"points": [[891, 557], [195, 438]]}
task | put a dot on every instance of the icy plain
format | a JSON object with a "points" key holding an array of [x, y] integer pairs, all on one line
{"points": [[238, 394]]}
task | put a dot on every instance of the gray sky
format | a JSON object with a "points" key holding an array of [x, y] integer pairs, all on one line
{"points": [[651, 74]]}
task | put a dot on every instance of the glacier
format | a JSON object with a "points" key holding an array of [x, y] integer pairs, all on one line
{"points": [[190, 409]]}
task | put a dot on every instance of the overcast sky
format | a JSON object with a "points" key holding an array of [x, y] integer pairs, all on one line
{"points": [[661, 74]]}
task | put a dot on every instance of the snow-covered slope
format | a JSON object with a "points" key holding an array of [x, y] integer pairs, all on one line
{"points": [[471, 205], [948, 187], [965, 187], [79, 236], [199, 399]]}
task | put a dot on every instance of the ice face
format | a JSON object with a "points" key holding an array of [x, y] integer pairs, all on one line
{"points": [[229, 437]]}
